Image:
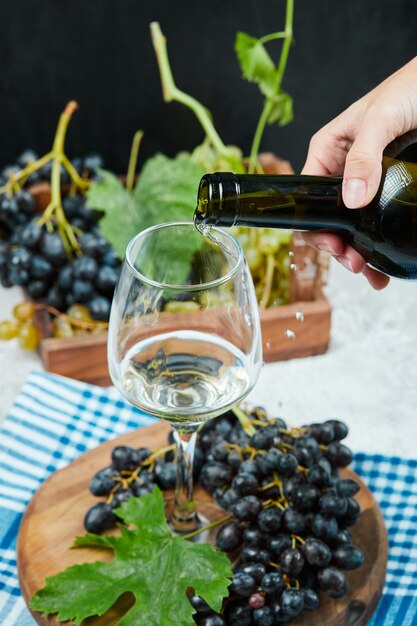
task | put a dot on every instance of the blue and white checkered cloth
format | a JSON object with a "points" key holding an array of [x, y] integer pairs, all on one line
{"points": [[54, 420]]}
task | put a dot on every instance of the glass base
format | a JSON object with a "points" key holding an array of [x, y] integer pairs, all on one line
{"points": [[208, 514]]}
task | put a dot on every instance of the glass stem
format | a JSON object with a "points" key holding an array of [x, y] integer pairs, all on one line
{"points": [[184, 518]]}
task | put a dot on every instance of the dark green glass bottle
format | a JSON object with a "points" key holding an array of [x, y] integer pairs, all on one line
{"points": [[384, 232]]}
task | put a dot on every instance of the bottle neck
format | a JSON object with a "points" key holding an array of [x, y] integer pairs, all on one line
{"points": [[278, 201]]}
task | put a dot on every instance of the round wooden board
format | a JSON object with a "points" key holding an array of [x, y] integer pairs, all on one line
{"points": [[55, 516]]}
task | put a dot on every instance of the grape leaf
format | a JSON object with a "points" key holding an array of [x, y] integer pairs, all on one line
{"points": [[150, 562], [166, 191], [282, 109], [255, 62], [118, 224], [258, 67]]}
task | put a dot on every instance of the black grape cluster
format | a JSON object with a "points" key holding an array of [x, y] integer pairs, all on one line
{"points": [[290, 511], [34, 258], [85, 166]]}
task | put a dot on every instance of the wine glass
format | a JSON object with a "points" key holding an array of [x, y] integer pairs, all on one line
{"points": [[184, 337]]}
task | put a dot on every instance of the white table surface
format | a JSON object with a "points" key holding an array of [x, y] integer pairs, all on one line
{"points": [[368, 377]]}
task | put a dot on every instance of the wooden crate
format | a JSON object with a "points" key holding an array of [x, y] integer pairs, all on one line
{"points": [[84, 357]]}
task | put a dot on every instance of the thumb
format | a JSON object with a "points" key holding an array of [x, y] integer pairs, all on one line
{"points": [[363, 169]]}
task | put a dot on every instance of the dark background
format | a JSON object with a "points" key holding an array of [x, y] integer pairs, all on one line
{"points": [[100, 54]]}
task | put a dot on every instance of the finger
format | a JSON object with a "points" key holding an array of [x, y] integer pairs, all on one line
{"points": [[327, 152], [325, 241], [376, 279], [363, 167], [351, 260]]}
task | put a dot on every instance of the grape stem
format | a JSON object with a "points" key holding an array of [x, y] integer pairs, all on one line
{"points": [[244, 420], [54, 207], [222, 520], [171, 93], [133, 159], [72, 320]]}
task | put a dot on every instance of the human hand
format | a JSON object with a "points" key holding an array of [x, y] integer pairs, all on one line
{"points": [[352, 145]]}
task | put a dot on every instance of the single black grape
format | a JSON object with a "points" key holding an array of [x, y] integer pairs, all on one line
{"points": [[287, 465], [52, 248], [316, 552], [252, 536], [331, 503], [318, 476], [347, 487], [263, 616], [199, 604], [273, 583], [324, 527], [226, 498], [352, 513], [333, 582], [99, 517], [165, 474], [229, 537], [99, 308], [305, 497], [292, 601], [221, 452], [214, 475], [18, 276], [340, 429], [270, 459], [36, 289], [310, 598], [348, 557], [343, 536], [303, 456], [256, 570], [40, 267], [338, 454], [92, 162], [103, 482], [279, 543], [106, 280], [213, 619], [269, 520], [85, 268], [247, 508], [291, 561], [245, 483], [82, 290], [124, 458], [25, 202], [238, 613], [294, 521], [65, 277], [243, 585], [20, 258], [264, 437], [253, 554], [56, 298], [31, 234], [92, 245], [326, 433]]}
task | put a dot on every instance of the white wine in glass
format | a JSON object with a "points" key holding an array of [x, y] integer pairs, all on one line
{"points": [[184, 337]]}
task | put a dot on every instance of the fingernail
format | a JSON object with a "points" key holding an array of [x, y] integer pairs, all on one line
{"points": [[354, 192], [325, 247], [346, 263]]}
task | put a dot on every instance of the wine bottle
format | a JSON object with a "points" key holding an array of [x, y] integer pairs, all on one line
{"points": [[384, 232]]}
